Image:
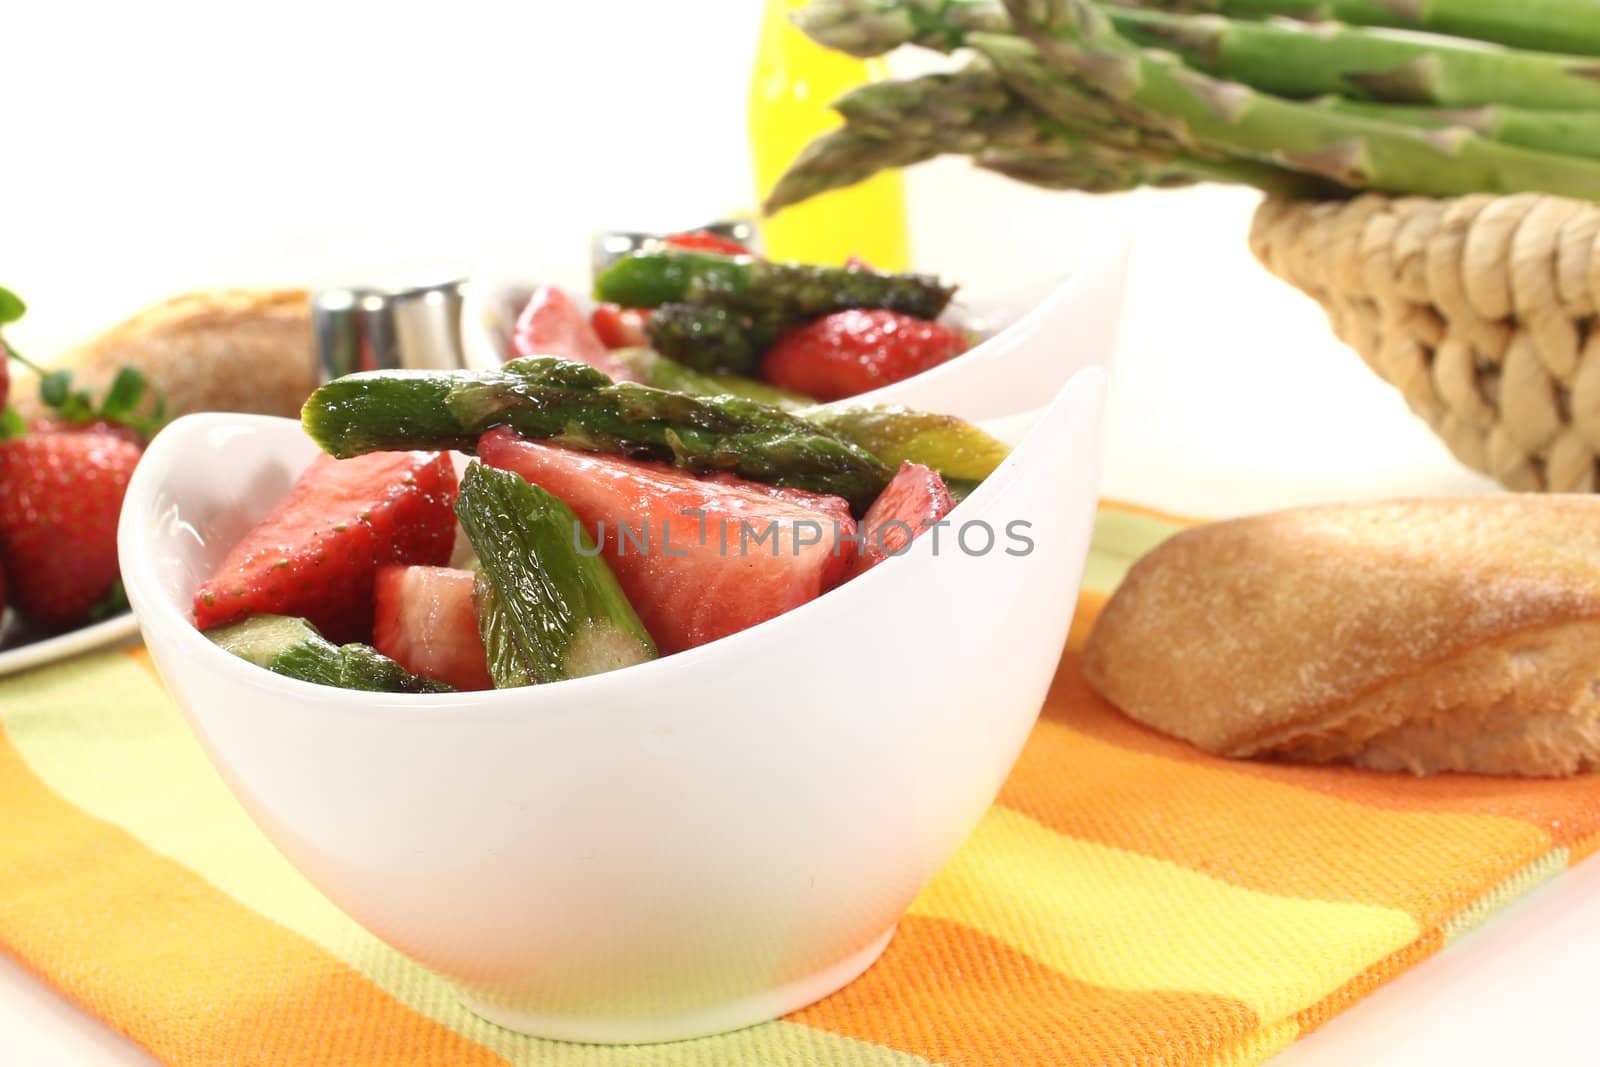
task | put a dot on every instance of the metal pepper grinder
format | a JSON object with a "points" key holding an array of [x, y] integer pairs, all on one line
{"points": [[369, 328]]}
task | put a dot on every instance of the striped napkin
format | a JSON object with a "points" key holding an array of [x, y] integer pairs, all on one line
{"points": [[1128, 900]]}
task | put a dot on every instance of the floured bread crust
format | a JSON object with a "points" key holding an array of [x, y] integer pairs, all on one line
{"points": [[1424, 635], [225, 350]]}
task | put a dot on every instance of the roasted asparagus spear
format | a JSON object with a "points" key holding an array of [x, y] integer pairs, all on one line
{"points": [[549, 607], [743, 283], [575, 405]]}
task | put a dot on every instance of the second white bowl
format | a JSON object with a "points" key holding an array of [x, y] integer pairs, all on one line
{"points": [[1034, 338]]}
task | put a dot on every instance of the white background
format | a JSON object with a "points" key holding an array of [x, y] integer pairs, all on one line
{"points": [[152, 147]]}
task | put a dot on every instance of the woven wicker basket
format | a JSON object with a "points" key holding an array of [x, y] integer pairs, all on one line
{"points": [[1482, 311]]}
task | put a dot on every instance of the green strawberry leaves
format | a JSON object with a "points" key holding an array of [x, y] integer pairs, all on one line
{"points": [[11, 309], [134, 402], [11, 306], [115, 602], [130, 401]]}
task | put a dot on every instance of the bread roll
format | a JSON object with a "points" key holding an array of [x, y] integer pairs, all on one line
{"points": [[1417, 635], [227, 350]]}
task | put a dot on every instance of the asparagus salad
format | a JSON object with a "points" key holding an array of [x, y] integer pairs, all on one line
{"points": [[607, 521], [698, 313]]}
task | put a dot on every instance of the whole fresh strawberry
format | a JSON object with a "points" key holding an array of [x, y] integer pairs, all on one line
{"points": [[62, 493], [852, 352], [127, 433]]}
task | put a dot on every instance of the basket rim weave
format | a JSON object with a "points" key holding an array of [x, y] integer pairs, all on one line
{"points": [[1482, 310]]}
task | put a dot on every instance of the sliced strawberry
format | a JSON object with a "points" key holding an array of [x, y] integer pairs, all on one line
{"points": [[692, 578], [852, 352], [60, 495], [907, 507], [834, 506], [705, 241], [315, 555], [620, 327], [552, 325], [427, 622]]}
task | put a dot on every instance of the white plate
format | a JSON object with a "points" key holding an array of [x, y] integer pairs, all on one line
{"points": [[44, 650]]}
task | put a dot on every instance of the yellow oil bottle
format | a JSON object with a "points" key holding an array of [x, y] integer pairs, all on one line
{"points": [[793, 83]]}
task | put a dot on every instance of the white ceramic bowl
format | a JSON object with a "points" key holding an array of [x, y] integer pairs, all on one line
{"points": [[680, 848], [1008, 372]]}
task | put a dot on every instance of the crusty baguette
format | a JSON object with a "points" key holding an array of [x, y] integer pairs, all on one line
{"points": [[228, 350], [1420, 635]]}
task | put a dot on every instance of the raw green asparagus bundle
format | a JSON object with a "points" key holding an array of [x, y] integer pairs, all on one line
{"points": [[1573, 132], [573, 404], [1099, 97], [1069, 138], [1301, 61], [1553, 25], [1357, 152], [549, 607]]}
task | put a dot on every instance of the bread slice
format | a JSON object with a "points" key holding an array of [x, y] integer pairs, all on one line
{"points": [[224, 350], [1419, 635]]}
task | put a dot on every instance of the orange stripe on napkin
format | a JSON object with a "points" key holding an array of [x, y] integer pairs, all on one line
{"points": [[1364, 983], [953, 995], [1566, 809], [1258, 833], [167, 959], [1090, 604]]}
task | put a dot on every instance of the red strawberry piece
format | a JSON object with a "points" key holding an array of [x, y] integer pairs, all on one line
{"points": [[427, 622], [852, 352], [620, 327], [705, 241], [105, 426], [690, 589], [316, 554], [907, 507], [60, 495], [552, 325]]}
